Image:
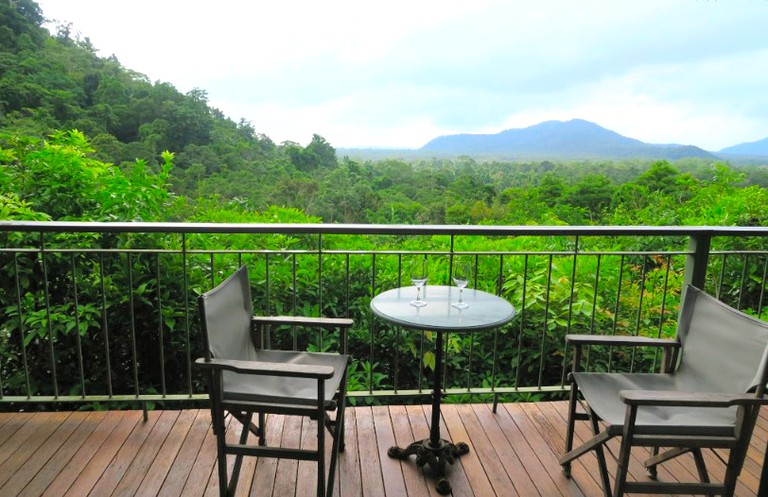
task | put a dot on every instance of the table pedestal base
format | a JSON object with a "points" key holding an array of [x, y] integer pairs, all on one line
{"points": [[436, 455]]}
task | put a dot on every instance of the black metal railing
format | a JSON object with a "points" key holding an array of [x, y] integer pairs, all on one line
{"points": [[105, 312]]}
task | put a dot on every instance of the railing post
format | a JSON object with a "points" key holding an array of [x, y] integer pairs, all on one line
{"points": [[698, 259]]}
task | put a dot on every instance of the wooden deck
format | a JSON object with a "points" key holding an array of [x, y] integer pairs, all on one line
{"points": [[513, 452]]}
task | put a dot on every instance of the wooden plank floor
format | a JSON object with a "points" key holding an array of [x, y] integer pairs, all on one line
{"points": [[512, 453]]}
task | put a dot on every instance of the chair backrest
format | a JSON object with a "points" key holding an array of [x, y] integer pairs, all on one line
{"points": [[225, 317], [723, 350]]}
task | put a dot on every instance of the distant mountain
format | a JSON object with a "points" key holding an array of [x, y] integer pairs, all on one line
{"points": [[575, 139], [759, 147]]}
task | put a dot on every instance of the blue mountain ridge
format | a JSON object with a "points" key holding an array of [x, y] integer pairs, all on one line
{"points": [[576, 138], [759, 147]]}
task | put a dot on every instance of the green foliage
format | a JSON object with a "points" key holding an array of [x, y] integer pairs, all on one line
{"points": [[86, 308], [58, 82], [58, 179], [138, 151]]}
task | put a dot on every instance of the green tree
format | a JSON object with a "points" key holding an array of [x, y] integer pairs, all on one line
{"points": [[551, 189], [659, 177], [20, 24], [593, 194], [343, 197], [60, 178], [322, 154]]}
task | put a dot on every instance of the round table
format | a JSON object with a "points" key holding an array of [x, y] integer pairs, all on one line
{"points": [[485, 311]]}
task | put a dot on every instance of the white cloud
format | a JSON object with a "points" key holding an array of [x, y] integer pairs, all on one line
{"points": [[399, 73]]}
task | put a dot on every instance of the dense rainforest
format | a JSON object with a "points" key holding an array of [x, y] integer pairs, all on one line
{"points": [[84, 138], [54, 87]]}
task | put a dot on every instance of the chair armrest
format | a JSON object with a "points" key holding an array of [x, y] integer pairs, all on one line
{"points": [[267, 368], [580, 341], [262, 324], [621, 341], [303, 321], [688, 399]]}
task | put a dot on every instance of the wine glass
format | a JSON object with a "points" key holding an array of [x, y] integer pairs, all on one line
{"points": [[418, 274], [462, 272]]}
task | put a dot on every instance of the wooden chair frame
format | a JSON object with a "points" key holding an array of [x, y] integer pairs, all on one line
{"points": [[244, 410], [737, 443]]}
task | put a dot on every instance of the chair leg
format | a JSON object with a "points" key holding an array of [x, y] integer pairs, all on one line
{"points": [[739, 453], [623, 466], [338, 434], [221, 442], [626, 447], [733, 468], [651, 468], [342, 405], [321, 459], [242, 417], [601, 457], [571, 427], [731, 474], [340, 429], [320, 413], [763, 490], [336, 447], [262, 429], [701, 466], [658, 457], [239, 458], [220, 431]]}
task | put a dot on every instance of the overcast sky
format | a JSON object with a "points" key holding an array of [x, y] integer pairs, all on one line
{"points": [[399, 73]]}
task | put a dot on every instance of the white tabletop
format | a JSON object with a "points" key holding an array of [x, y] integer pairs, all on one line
{"points": [[485, 310]]}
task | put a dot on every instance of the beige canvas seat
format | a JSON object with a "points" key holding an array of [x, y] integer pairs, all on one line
{"points": [[247, 380], [707, 396]]}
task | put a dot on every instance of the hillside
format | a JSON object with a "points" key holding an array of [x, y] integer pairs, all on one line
{"points": [[57, 82], [757, 148], [574, 139], [106, 130]]}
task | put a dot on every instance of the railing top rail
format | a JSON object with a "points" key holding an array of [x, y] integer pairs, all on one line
{"points": [[378, 229]]}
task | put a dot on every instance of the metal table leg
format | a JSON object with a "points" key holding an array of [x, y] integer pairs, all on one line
{"points": [[434, 451]]}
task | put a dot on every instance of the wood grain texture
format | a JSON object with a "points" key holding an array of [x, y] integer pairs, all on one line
{"points": [[512, 452]]}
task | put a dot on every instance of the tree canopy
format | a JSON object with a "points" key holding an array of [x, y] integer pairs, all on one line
{"points": [[60, 101]]}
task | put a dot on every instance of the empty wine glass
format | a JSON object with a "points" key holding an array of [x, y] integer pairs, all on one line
{"points": [[418, 273], [462, 272]]}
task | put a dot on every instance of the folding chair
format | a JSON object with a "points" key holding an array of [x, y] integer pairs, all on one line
{"points": [[246, 379], [708, 395]]}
